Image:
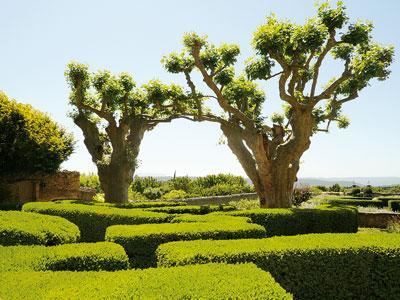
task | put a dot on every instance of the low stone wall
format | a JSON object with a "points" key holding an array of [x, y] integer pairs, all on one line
{"points": [[60, 185], [219, 199], [377, 219]]}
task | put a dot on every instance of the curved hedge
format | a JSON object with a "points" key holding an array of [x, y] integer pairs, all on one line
{"points": [[141, 241], [24, 228], [386, 199], [281, 221], [213, 217], [93, 220], [192, 209], [315, 266], [394, 205], [362, 203], [213, 281], [69, 257]]}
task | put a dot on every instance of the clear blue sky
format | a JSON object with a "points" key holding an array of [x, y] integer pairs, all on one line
{"points": [[38, 39]]}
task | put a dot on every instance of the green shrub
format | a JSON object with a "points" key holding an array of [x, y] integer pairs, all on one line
{"points": [[144, 204], [68, 257], [31, 142], [175, 194], [93, 220], [212, 281], [141, 241], [90, 180], [362, 203], [214, 217], [192, 209], [10, 205], [301, 194], [23, 228], [394, 205], [315, 266], [294, 221], [244, 204]]}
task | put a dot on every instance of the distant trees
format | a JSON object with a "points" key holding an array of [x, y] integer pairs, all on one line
{"points": [[30, 141], [114, 114], [270, 150]]}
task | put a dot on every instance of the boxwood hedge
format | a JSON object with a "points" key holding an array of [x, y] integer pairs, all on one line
{"points": [[25, 228], [213, 217], [93, 220], [192, 209], [315, 266], [71, 257], [141, 241], [138, 204], [386, 199], [301, 221], [362, 203], [212, 281], [394, 205]]}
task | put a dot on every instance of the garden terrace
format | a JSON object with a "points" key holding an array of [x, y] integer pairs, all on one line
{"points": [[212, 281], [25, 228], [93, 220], [315, 266], [141, 241], [70, 257]]}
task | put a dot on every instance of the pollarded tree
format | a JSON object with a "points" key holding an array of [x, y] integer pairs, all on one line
{"points": [[270, 152], [113, 115]]}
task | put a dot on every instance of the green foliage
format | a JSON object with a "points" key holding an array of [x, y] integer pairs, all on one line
{"points": [[144, 204], [140, 184], [386, 199], [192, 209], [212, 281], [31, 142], [245, 204], [300, 221], [70, 257], [394, 205], [361, 203], [335, 188], [141, 241], [93, 220], [355, 191], [91, 181], [175, 194], [315, 266], [23, 228]]}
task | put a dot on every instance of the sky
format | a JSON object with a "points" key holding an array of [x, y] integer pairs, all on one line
{"points": [[38, 39]]}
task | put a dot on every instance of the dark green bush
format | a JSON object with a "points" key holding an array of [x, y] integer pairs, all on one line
{"points": [[212, 281], [144, 204], [10, 205], [24, 228], [394, 205], [301, 194], [93, 220], [315, 266], [192, 209], [30, 141], [386, 199], [294, 221], [141, 241], [362, 203], [214, 217], [69, 257]]}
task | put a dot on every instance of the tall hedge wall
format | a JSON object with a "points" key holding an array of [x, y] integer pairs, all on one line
{"points": [[314, 266]]}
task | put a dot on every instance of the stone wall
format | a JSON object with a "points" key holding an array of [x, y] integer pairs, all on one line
{"points": [[61, 185]]}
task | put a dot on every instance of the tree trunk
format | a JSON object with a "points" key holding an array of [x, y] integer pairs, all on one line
{"points": [[115, 181]]}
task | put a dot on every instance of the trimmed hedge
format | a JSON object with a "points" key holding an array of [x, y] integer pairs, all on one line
{"points": [[10, 205], [24, 228], [315, 266], [192, 209], [362, 203], [212, 281], [93, 220], [394, 205], [69, 257], [294, 221], [386, 199], [141, 241]]}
